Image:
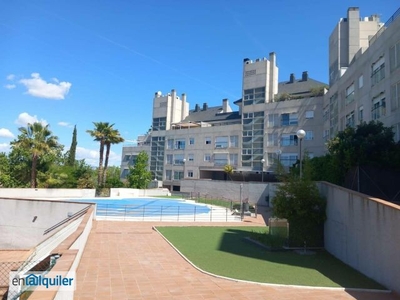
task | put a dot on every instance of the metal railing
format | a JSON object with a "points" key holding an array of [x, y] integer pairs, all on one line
{"points": [[66, 220], [198, 213], [384, 27]]}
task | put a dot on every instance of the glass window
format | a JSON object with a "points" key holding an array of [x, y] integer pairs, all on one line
{"points": [[178, 175], [180, 144], [170, 159], [273, 120], [288, 159], [191, 141], [234, 141], [190, 173], [309, 114], [289, 140], [221, 142], [378, 70], [272, 139], [350, 94], [208, 141], [207, 157], [289, 119], [309, 135], [168, 174], [178, 159], [220, 159], [190, 157], [378, 108], [170, 144], [361, 114], [233, 159], [360, 81], [350, 120]]}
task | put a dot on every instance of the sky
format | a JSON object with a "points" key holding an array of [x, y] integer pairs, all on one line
{"points": [[75, 62]]}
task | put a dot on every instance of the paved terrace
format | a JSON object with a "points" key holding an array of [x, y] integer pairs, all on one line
{"points": [[129, 260]]}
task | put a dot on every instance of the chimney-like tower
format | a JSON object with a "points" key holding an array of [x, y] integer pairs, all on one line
{"points": [[292, 78], [304, 77], [183, 108], [225, 106], [205, 106]]}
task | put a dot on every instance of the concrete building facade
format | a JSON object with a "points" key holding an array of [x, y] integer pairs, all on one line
{"points": [[368, 87], [199, 143], [364, 75]]}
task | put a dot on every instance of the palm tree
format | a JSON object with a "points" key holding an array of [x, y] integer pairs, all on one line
{"points": [[38, 140], [113, 137], [100, 134]]}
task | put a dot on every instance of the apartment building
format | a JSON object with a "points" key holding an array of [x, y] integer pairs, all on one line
{"points": [[199, 143], [364, 57]]}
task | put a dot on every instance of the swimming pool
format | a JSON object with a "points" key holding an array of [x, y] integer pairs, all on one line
{"points": [[156, 209]]}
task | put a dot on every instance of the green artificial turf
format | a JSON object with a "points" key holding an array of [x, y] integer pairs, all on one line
{"points": [[225, 251]]}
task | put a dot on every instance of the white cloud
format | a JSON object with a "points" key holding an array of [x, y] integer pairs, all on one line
{"points": [[37, 87], [91, 157], [4, 147], [64, 124], [5, 133], [25, 118], [10, 86], [10, 77]]}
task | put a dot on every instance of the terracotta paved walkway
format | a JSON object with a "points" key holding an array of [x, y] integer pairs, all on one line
{"points": [[129, 260]]}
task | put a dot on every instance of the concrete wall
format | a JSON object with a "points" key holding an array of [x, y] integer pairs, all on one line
{"points": [[364, 233], [47, 193], [255, 192], [19, 229]]}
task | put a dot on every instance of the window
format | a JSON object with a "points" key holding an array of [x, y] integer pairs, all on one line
{"points": [[207, 157], [220, 159], [170, 144], [378, 70], [233, 159], [361, 114], [289, 140], [190, 157], [191, 141], [325, 135], [288, 159], [170, 159], [394, 57], [254, 96], [168, 174], [208, 141], [178, 159], [326, 114], [309, 114], [159, 124], [272, 157], [178, 175], [289, 119], [273, 120], [378, 107], [180, 144], [221, 142], [190, 173], [234, 141], [248, 116], [395, 96], [350, 94], [350, 121], [309, 135], [272, 139], [360, 81]]}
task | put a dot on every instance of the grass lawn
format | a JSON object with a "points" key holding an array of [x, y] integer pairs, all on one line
{"points": [[223, 251]]}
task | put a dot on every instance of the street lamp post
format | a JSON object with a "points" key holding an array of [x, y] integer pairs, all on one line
{"points": [[262, 169], [300, 135], [241, 202], [184, 165]]}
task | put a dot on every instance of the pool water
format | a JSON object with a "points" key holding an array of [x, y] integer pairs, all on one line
{"points": [[145, 207]]}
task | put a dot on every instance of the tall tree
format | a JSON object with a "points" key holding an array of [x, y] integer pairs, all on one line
{"points": [[38, 141], [113, 137], [139, 176], [72, 149], [100, 134]]}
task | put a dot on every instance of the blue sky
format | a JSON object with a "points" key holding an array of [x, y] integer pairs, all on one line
{"points": [[75, 62]]}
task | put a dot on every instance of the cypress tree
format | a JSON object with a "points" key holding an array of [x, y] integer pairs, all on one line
{"points": [[72, 149]]}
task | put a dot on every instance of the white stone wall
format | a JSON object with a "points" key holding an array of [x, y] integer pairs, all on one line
{"points": [[19, 229], [364, 233], [134, 193], [255, 192], [47, 193]]}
